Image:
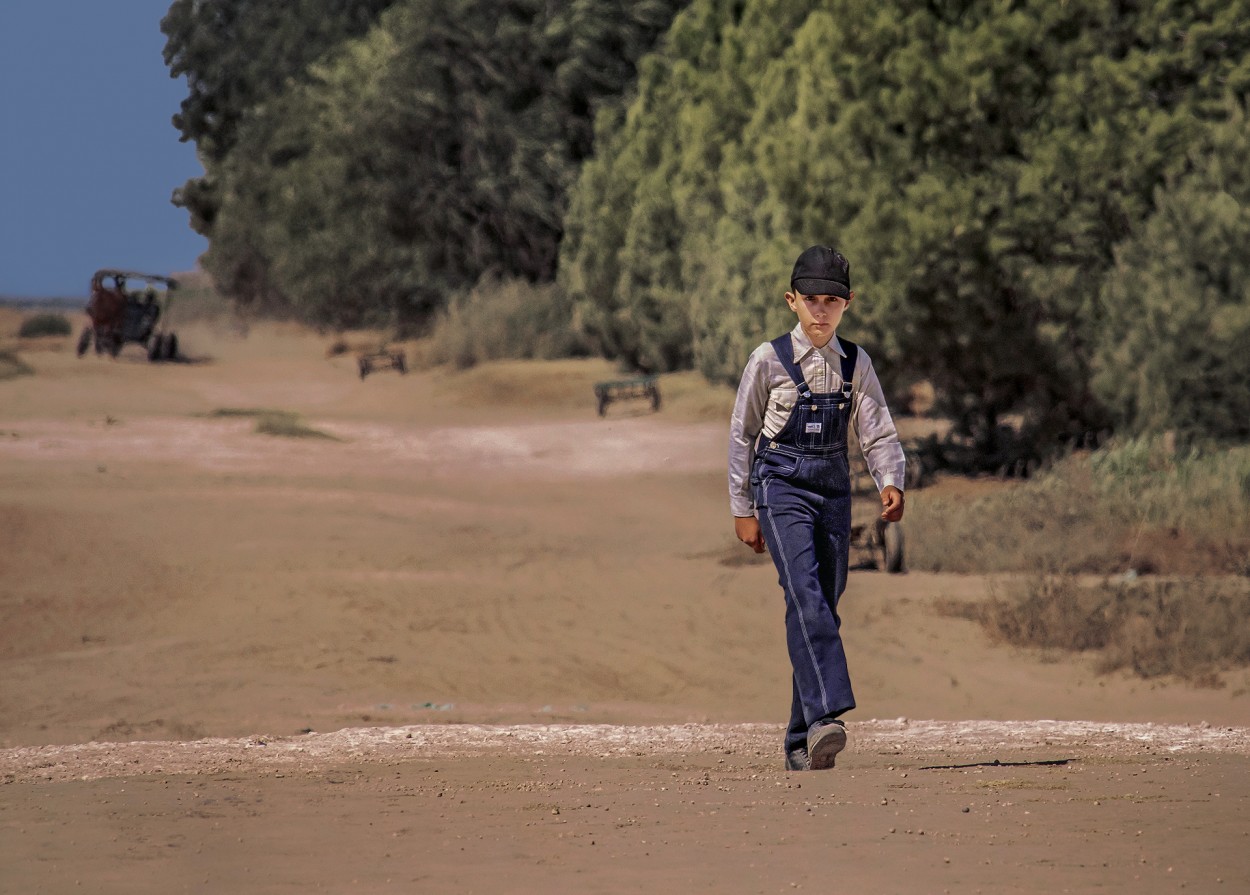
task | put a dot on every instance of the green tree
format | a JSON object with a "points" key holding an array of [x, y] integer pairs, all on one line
{"points": [[1172, 352], [236, 55], [431, 152], [978, 161]]}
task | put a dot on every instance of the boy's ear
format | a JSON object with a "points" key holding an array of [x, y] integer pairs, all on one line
{"points": [[791, 298]]}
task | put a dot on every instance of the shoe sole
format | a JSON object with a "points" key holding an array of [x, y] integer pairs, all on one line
{"points": [[824, 748]]}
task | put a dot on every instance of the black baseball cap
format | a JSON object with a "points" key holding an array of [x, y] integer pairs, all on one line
{"points": [[822, 270]]}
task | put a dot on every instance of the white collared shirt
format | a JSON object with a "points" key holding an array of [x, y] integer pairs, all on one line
{"points": [[767, 394]]}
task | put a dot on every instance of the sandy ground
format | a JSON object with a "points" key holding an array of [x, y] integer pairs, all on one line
{"points": [[481, 640]]}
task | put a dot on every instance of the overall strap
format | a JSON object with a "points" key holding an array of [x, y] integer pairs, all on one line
{"points": [[785, 353], [848, 364]]}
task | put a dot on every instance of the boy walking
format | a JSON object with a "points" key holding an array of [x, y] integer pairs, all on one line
{"points": [[790, 486]]}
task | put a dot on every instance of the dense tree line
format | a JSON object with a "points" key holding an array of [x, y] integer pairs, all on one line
{"points": [[1044, 203], [365, 179], [1008, 178]]}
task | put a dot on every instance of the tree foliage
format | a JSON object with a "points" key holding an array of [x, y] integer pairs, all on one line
{"points": [[410, 162], [979, 161], [1173, 347], [236, 56]]}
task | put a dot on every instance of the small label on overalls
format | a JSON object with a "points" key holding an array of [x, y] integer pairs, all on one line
{"points": [[812, 428]]}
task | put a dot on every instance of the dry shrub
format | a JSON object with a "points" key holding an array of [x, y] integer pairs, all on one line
{"points": [[1046, 524], [1190, 628], [505, 320], [1136, 505], [12, 366]]}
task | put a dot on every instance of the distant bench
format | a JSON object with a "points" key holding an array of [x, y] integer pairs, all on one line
{"points": [[624, 389]]}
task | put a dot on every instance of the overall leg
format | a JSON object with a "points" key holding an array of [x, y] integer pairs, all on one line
{"points": [[796, 730], [789, 519], [833, 544]]}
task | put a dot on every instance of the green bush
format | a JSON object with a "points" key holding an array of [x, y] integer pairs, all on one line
{"points": [[45, 325]]}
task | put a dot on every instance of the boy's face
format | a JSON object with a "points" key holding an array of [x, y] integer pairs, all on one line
{"points": [[818, 314]]}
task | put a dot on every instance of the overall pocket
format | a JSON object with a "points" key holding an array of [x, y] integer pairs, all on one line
{"points": [[770, 465]]}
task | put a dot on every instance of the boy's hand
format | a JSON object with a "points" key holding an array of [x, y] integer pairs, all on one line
{"points": [[747, 528], [891, 504]]}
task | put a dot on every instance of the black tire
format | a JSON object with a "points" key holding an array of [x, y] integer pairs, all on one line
{"points": [[171, 346], [84, 341], [892, 547]]}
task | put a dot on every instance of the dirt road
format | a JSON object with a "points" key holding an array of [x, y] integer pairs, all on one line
{"points": [[480, 640]]}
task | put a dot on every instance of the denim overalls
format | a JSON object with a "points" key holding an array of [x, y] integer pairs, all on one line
{"points": [[802, 488]]}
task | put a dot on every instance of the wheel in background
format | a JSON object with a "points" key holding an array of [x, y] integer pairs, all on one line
{"points": [[892, 546], [915, 471]]}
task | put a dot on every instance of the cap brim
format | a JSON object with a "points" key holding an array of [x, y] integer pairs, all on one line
{"points": [[810, 286]]}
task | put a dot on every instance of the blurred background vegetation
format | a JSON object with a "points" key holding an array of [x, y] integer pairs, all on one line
{"points": [[1045, 204]]}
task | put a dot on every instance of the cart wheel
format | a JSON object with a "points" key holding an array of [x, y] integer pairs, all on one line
{"points": [[171, 346], [892, 546], [915, 471], [84, 341]]}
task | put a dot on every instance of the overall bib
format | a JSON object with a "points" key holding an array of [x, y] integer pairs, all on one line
{"points": [[802, 488]]}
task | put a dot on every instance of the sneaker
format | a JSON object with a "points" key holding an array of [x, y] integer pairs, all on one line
{"points": [[796, 759], [824, 741]]}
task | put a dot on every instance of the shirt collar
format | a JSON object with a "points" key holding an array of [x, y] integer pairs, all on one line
{"points": [[803, 345]]}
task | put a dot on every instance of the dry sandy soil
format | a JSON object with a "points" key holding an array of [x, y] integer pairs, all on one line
{"points": [[482, 641]]}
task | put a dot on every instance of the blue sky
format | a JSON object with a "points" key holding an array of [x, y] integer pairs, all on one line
{"points": [[88, 155]]}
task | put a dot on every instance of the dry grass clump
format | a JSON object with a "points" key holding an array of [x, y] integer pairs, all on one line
{"points": [[284, 423], [12, 366], [504, 320], [1190, 628], [1137, 505]]}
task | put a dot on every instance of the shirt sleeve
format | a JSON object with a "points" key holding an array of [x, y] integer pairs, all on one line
{"points": [[875, 428], [744, 428]]}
